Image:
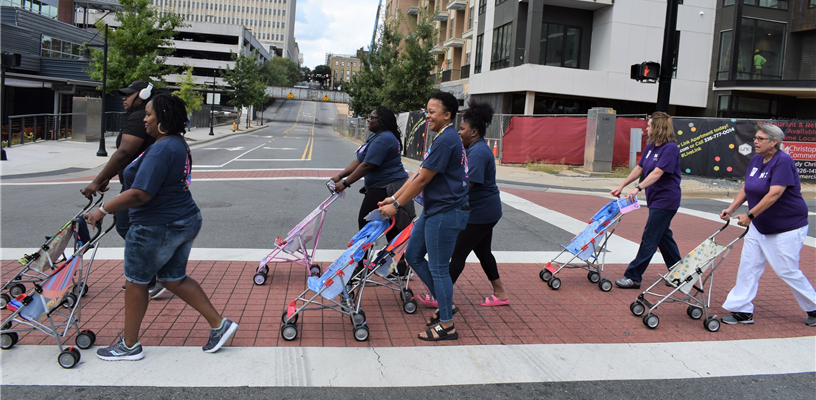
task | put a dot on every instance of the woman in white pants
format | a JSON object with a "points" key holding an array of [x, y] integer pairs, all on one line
{"points": [[777, 216]]}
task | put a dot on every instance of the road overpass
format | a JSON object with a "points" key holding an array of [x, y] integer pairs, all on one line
{"points": [[328, 96]]}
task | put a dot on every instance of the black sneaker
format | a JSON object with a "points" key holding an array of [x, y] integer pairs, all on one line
{"points": [[811, 319], [739, 318], [220, 336], [627, 283], [156, 290]]}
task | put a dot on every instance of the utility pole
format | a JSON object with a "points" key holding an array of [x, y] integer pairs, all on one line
{"points": [[666, 61], [212, 107]]}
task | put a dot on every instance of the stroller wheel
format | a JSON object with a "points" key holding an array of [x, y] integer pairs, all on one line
{"points": [[314, 270], [4, 300], [712, 324], [554, 283], [651, 320], [16, 290], [68, 358], [288, 332], [358, 318], [86, 339], [637, 308], [605, 285], [294, 318], [81, 292], [70, 300], [361, 334], [264, 270], [8, 340], [409, 307], [545, 275], [594, 277], [259, 278], [694, 312], [407, 295]]}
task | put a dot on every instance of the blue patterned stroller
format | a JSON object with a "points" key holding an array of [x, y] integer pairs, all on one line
{"points": [[334, 288], [696, 267], [585, 249]]}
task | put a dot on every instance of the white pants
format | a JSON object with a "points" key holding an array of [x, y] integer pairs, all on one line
{"points": [[782, 252]]}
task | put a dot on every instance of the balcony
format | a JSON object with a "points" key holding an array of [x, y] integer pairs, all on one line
{"points": [[467, 34], [581, 4], [440, 15], [454, 42], [464, 73], [438, 49], [457, 5], [450, 75], [412, 11]]}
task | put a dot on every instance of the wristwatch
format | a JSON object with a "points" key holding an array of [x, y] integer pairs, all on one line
{"points": [[396, 203], [640, 189], [345, 183], [751, 216]]}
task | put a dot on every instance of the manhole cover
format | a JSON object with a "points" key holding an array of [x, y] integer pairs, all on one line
{"points": [[214, 204]]}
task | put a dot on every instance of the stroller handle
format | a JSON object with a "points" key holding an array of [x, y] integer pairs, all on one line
{"points": [[728, 222]]}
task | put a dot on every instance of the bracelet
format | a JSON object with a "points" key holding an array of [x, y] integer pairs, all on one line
{"points": [[102, 208], [396, 203]]}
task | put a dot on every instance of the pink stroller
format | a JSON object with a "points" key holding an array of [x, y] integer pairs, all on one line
{"points": [[294, 248]]}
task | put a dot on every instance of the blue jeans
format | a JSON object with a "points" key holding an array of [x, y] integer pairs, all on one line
{"points": [[160, 250], [656, 235], [436, 237]]}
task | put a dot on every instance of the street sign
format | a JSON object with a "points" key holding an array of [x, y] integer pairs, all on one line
{"points": [[290, 96], [325, 98]]}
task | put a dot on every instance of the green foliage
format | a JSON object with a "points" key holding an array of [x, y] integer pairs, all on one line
{"points": [[137, 48], [246, 79], [187, 91], [396, 72], [305, 73], [281, 71]]}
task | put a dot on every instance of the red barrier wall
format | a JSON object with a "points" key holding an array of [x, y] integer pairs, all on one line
{"points": [[561, 140]]}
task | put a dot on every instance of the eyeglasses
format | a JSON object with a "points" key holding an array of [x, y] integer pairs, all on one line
{"points": [[373, 117], [759, 138]]}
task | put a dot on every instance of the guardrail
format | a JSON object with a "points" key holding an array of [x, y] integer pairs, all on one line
{"points": [[19, 129]]}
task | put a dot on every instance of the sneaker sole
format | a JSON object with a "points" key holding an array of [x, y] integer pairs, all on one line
{"points": [[224, 338], [738, 322], [135, 357], [153, 296]]}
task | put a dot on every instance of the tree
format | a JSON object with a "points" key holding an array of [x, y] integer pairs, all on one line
{"points": [[366, 88], [281, 71], [305, 73], [245, 79], [138, 47], [322, 73], [187, 91]]}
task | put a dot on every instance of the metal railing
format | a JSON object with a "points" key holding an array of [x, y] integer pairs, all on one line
{"points": [[353, 127], [19, 129]]}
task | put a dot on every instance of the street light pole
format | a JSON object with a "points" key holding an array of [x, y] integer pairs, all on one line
{"points": [[666, 65], [102, 152], [212, 107]]}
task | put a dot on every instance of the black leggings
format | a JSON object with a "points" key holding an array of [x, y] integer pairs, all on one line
{"points": [[476, 238]]}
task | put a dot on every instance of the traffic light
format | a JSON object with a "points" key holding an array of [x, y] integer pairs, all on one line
{"points": [[647, 71]]}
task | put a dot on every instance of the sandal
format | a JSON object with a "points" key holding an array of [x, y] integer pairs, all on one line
{"points": [[428, 300], [435, 319], [493, 301], [441, 334]]}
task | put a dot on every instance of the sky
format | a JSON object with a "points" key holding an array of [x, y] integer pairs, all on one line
{"points": [[333, 26]]}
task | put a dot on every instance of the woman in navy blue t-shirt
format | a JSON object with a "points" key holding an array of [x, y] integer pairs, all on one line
{"points": [[660, 164], [442, 179], [379, 161], [777, 216], [165, 221]]}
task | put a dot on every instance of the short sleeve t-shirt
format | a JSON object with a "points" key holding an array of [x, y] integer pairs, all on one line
{"points": [[483, 197], [665, 193], [134, 125], [163, 171], [790, 211], [382, 150], [448, 188]]}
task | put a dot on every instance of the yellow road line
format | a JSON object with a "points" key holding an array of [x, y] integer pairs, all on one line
{"points": [[303, 157]]}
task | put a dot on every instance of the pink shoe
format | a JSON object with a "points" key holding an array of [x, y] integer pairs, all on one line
{"points": [[493, 301], [428, 300]]}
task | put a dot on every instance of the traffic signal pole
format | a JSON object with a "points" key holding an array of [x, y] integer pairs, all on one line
{"points": [[666, 61]]}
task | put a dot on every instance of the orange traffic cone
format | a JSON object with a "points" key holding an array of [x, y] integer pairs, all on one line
{"points": [[495, 148]]}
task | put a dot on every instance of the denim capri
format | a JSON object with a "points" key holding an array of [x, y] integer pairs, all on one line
{"points": [[160, 250]]}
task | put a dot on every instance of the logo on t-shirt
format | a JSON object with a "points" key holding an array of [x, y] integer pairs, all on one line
{"points": [[754, 171], [763, 175], [648, 154]]}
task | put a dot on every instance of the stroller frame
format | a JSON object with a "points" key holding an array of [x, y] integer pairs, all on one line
{"points": [[346, 303], [681, 287], [37, 266], [28, 309], [294, 248], [591, 263]]}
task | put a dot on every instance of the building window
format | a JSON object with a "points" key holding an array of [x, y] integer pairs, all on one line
{"points": [[482, 6], [470, 16], [777, 4], [477, 63], [725, 56], [500, 56], [560, 46], [761, 49], [52, 47], [812, 4], [500, 1]]}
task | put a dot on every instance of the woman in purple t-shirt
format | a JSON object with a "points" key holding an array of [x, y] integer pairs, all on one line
{"points": [[660, 164], [777, 215]]}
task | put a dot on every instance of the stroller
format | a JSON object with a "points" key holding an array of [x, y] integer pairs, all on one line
{"points": [[334, 289], [41, 308], [294, 247], [382, 271], [589, 245], [37, 266], [683, 277]]}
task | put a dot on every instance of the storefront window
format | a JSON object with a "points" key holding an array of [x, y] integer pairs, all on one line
{"points": [[725, 56]]}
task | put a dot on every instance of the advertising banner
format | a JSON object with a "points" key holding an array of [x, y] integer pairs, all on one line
{"points": [[415, 136], [722, 148]]}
